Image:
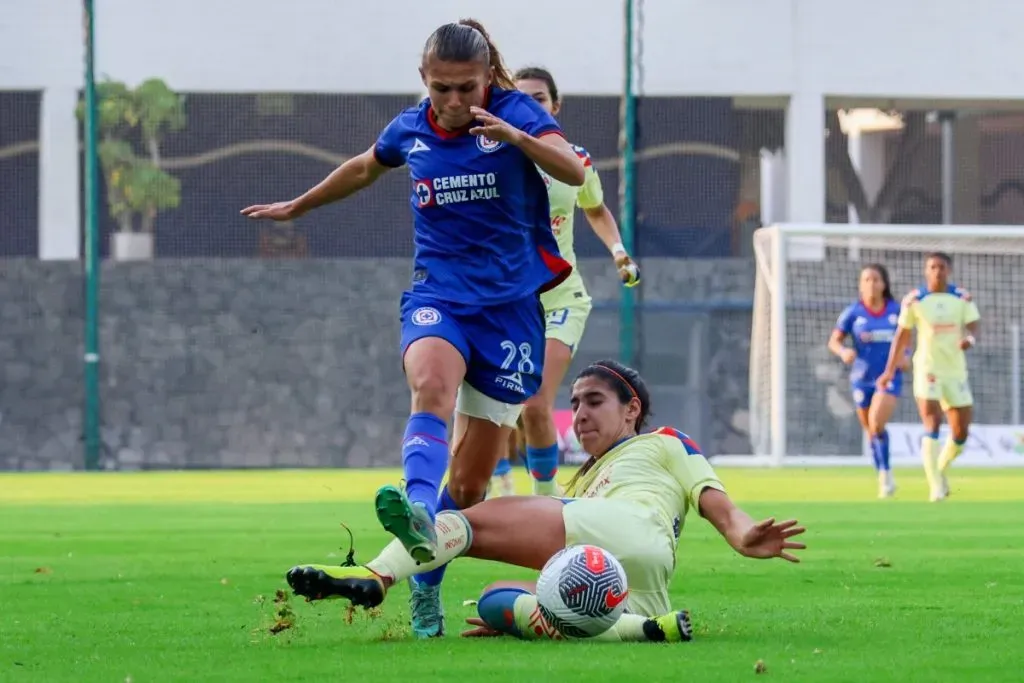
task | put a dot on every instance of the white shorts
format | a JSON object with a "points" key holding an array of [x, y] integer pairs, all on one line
{"points": [[474, 403]]}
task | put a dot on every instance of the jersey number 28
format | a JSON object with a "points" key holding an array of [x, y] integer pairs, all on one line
{"points": [[522, 351]]}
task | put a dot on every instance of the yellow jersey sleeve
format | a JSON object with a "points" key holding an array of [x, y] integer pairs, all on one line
{"points": [[971, 312], [908, 315], [688, 466], [591, 194]]}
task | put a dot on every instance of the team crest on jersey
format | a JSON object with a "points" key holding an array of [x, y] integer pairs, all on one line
{"points": [[488, 145], [424, 193], [426, 315], [893, 318]]}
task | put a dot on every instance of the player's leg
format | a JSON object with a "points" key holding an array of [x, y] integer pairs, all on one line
{"points": [[862, 396], [433, 355], [503, 479], [563, 331], [927, 394], [883, 404], [958, 405], [493, 530], [480, 439], [931, 421], [511, 608]]}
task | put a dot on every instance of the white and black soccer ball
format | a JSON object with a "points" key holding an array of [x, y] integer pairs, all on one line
{"points": [[582, 591]]}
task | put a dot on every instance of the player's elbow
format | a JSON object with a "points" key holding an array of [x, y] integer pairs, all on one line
{"points": [[578, 174]]}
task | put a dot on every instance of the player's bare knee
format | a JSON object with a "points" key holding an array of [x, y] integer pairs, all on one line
{"points": [[432, 393], [466, 492]]}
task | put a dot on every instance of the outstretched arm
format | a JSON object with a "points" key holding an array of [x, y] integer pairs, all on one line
{"points": [[761, 540], [355, 174]]}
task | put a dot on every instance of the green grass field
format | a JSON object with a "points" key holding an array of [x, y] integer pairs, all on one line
{"points": [[172, 577]]}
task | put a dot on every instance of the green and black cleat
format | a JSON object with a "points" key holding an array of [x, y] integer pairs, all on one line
{"points": [[410, 524]]}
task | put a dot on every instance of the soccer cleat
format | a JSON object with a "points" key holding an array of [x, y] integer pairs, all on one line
{"points": [[886, 484], [506, 484], [674, 627], [359, 585], [410, 524], [427, 611]]}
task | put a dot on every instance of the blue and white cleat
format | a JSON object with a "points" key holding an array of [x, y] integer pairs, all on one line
{"points": [[427, 611]]}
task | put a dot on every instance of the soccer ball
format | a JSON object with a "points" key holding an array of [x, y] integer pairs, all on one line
{"points": [[582, 591]]}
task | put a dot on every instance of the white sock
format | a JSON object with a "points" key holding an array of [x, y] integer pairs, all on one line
{"points": [[454, 536]]}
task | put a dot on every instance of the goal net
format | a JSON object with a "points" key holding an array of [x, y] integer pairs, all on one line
{"points": [[801, 405]]}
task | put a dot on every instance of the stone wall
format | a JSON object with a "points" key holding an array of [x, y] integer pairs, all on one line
{"points": [[246, 363]]}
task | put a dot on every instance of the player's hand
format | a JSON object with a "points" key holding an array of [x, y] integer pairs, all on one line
{"points": [[967, 342], [279, 211], [493, 128], [910, 298], [884, 380], [770, 539], [628, 271], [848, 356], [480, 629]]}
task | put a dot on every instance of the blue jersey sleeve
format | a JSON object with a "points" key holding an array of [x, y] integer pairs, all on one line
{"points": [[388, 151], [531, 118], [845, 322]]}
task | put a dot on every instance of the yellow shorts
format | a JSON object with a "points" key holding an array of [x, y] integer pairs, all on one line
{"points": [[566, 324], [950, 393], [637, 539]]}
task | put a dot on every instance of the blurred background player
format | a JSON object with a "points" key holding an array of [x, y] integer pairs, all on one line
{"points": [[871, 323], [567, 306], [633, 494], [503, 483], [946, 321], [472, 326]]}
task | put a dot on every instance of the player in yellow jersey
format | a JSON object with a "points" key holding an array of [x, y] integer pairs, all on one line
{"points": [[947, 322], [568, 305], [632, 498]]}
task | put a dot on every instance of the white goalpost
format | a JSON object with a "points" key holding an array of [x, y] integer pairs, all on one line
{"points": [[801, 411]]}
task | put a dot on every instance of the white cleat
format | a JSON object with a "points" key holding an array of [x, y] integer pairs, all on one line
{"points": [[886, 485]]}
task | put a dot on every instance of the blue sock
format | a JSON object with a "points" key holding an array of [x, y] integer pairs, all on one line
{"points": [[424, 458], [435, 576], [543, 462], [876, 452], [883, 450], [503, 467]]}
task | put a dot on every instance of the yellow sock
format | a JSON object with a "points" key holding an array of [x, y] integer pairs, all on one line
{"points": [[545, 488], [950, 452], [929, 457], [454, 536]]}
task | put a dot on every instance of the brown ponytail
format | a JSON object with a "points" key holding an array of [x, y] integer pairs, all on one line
{"points": [[502, 76]]}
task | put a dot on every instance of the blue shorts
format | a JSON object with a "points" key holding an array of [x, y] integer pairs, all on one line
{"points": [[864, 392], [503, 345]]}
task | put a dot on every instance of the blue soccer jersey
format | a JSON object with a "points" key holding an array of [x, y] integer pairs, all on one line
{"points": [[872, 332], [482, 231]]}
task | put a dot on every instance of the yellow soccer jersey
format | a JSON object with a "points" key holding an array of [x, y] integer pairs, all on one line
{"points": [[563, 200], [940, 319], [663, 470]]}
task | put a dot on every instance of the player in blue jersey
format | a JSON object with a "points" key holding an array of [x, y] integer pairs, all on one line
{"points": [[871, 323], [472, 324]]}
